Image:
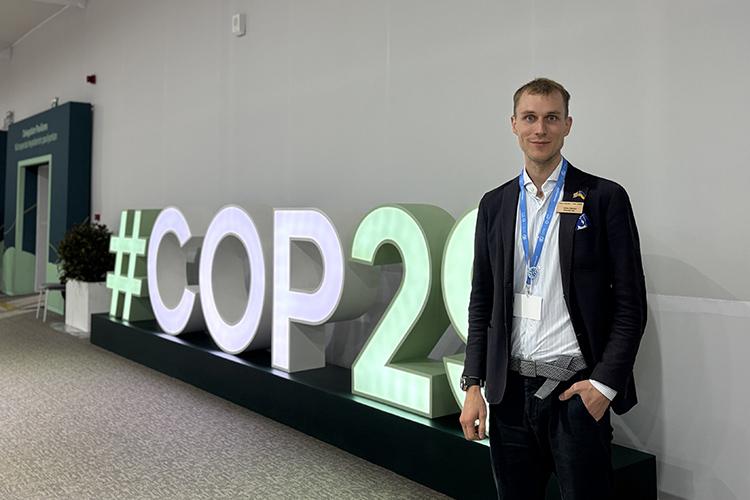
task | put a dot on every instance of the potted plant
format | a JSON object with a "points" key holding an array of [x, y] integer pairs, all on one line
{"points": [[84, 261]]}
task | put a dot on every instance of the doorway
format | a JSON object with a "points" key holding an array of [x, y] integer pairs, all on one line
{"points": [[31, 255], [42, 226]]}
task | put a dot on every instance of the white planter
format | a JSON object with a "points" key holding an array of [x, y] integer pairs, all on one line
{"points": [[83, 299]]}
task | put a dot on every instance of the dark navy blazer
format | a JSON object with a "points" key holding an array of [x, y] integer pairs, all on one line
{"points": [[602, 278]]}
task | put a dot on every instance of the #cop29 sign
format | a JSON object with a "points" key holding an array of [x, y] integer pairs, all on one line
{"points": [[161, 267]]}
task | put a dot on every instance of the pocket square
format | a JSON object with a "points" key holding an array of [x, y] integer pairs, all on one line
{"points": [[583, 222]]}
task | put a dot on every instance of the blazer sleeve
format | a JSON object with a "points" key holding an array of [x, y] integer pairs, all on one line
{"points": [[481, 299], [629, 309]]}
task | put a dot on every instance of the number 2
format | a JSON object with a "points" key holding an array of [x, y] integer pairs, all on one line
{"points": [[393, 367]]}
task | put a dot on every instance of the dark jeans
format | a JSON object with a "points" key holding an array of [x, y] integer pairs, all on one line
{"points": [[532, 438]]}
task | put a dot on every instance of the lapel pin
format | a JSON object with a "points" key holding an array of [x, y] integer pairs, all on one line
{"points": [[579, 194], [582, 222]]}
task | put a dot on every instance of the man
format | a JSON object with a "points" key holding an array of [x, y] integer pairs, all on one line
{"points": [[557, 311]]}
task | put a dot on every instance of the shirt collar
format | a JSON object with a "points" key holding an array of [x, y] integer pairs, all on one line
{"points": [[548, 184]]}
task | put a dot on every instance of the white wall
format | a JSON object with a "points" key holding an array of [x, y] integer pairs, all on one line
{"points": [[345, 105]]}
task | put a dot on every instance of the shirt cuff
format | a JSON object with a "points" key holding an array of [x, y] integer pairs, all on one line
{"points": [[608, 392]]}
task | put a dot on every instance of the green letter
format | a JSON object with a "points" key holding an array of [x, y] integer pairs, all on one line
{"points": [[457, 270], [393, 366]]}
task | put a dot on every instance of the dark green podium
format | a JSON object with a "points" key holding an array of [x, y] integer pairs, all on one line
{"points": [[319, 403]]}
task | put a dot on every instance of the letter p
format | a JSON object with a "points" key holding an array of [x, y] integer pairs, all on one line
{"points": [[297, 342]]}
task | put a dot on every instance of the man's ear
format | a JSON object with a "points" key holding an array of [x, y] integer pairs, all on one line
{"points": [[513, 124], [568, 124]]}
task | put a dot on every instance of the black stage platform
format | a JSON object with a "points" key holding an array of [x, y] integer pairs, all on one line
{"points": [[319, 403]]}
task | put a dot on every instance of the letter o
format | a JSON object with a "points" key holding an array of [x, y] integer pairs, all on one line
{"points": [[233, 221]]}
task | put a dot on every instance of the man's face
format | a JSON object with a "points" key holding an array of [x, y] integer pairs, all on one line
{"points": [[541, 126]]}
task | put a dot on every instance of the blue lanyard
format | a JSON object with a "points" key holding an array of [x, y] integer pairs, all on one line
{"points": [[532, 271]]}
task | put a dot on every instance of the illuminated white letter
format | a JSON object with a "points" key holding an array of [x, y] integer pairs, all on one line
{"points": [[233, 229], [172, 296], [296, 344]]}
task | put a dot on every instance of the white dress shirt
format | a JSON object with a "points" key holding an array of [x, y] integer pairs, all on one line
{"points": [[553, 336]]}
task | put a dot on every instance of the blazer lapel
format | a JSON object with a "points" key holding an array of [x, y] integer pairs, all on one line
{"points": [[508, 211], [573, 185]]}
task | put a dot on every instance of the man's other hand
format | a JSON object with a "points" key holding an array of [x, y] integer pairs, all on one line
{"points": [[474, 409], [595, 402]]}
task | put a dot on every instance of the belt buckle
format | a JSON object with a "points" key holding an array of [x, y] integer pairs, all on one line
{"points": [[527, 368]]}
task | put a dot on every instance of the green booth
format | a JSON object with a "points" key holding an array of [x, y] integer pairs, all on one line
{"points": [[47, 191]]}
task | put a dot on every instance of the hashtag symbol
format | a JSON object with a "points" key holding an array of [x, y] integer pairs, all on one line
{"points": [[128, 281]]}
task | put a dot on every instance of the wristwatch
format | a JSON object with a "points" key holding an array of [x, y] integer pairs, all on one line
{"points": [[467, 382]]}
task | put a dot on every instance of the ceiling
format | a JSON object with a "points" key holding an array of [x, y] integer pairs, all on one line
{"points": [[18, 17]]}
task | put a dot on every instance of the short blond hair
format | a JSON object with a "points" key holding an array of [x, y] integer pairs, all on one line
{"points": [[541, 86]]}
